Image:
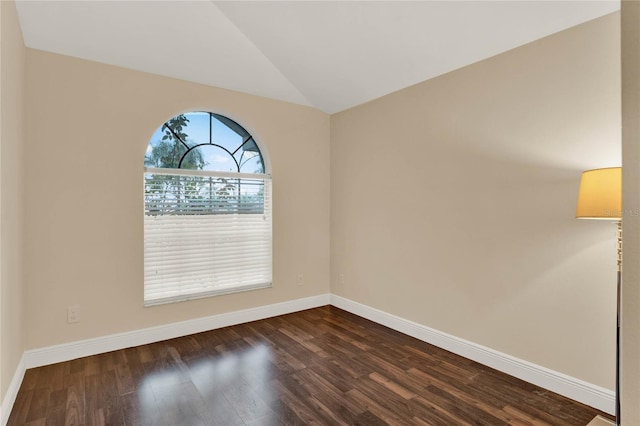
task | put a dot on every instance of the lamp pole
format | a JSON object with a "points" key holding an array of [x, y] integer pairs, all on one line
{"points": [[618, 290]]}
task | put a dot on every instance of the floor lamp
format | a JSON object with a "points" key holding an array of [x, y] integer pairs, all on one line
{"points": [[600, 197]]}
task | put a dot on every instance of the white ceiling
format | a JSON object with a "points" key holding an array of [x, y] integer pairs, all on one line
{"points": [[331, 55]]}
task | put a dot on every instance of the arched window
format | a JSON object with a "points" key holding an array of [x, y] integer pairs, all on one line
{"points": [[207, 210]]}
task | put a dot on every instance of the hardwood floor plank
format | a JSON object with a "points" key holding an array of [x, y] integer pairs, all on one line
{"points": [[246, 402], [30, 380], [334, 375], [385, 368], [343, 335], [462, 408], [74, 405], [385, 398], [124, 379], [332, 416], [444, 412], [287, 415], [377, 409], [298, 405], [394, 387], [93, 412], [321, 366], [38, 404], [430, 413], [181, 404], [328, 393], [77, 365], [367, 418], [92, 365], [56, 408], [304, 342]]}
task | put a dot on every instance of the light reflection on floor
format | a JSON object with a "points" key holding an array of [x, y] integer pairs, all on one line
{"points": [[217, 383]]}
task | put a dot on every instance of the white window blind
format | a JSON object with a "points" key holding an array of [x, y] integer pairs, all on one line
{"points": [[205, 233]]}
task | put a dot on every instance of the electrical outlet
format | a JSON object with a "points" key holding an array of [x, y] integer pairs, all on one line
{"points": [[341, 278], [73, 314], [300, 279]]}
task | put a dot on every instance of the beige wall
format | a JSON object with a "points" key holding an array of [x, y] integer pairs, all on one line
{"points": [[630, 390], [11, 142], [89, 126], [453, 202]]}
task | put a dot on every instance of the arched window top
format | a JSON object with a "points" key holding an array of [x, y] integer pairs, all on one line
{"points": [[204, 141]]}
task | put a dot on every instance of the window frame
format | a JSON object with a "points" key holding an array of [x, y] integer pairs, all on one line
{"points": [[267, 198]]}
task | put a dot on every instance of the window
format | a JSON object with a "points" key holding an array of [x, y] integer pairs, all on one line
{"points": [[207, 210]]}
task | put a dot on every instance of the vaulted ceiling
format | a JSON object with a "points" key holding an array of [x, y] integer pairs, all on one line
{"points": [[331, 55]]}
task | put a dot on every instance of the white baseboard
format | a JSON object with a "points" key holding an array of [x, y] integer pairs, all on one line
{"points": [[68, 351], [12, 392], [578, 390]]}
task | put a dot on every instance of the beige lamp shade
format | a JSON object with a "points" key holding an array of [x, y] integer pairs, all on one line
{"points": [[600, 194]]}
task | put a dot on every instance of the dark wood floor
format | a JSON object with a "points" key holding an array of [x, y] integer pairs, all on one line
{"points": [[322, 366]]}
